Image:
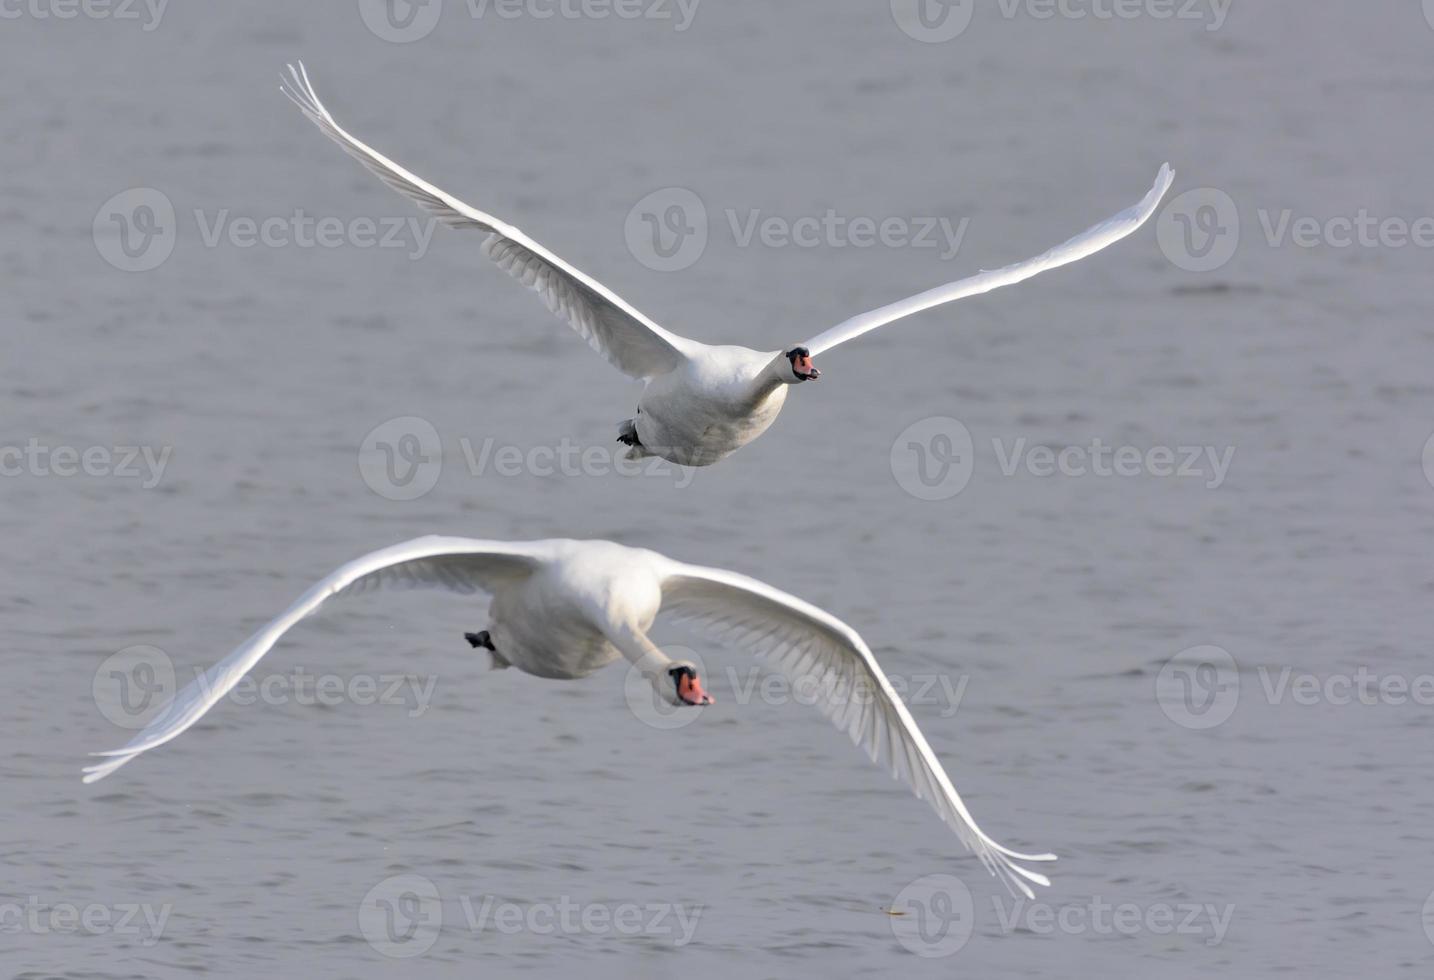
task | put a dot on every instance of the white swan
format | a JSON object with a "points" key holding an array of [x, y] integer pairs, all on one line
{"points": [[563, 609], [701, 402]]}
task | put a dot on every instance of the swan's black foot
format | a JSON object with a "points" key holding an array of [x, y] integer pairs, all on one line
{"points": [[627, 433], [480, 640]]}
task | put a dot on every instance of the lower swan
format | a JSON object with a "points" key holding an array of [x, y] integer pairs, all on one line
{"points": [[564, 609]]}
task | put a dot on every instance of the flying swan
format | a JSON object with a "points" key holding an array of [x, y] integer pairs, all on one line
{"points": [[701, 402], [563, 609]]}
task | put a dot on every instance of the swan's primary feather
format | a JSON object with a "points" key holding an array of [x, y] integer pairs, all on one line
{"points": [[461, 565], [810, 645], [1087, 243], [629, 341]]}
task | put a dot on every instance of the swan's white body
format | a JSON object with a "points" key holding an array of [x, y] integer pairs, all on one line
{"points": [[710, 406], [701, 402], [563, 609]]}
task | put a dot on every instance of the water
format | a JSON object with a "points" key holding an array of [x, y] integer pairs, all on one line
{"points": [[1288, 839]]}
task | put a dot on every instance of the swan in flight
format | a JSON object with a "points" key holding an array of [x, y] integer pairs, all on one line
{"points": [[563, 609], [701, 402]]}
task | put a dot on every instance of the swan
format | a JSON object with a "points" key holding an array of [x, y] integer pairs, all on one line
{"points": [[564, 609], [701, 402]]}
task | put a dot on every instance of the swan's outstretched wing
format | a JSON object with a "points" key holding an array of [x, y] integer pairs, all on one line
{"points": [[1087, 243], [460, 564], [813, 647], [630, 341]]}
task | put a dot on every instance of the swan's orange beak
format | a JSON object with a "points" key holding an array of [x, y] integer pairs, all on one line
{"points": [[689, 689], [803, 368]]}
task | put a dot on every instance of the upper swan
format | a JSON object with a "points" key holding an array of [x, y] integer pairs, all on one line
{"points": [[702, 402]]}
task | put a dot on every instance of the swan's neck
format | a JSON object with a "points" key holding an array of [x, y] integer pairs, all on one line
{"points": [[773, 376]]}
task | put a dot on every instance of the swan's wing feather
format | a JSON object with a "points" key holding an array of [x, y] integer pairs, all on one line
{"points": [[1087, 243], [462, 565], [812, 647], [629, 341]]}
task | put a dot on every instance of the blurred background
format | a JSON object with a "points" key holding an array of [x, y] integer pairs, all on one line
{"points": [[233, 360]]}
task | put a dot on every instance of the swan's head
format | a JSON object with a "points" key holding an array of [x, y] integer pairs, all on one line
{"points": [[682, 686], [799, 360]]}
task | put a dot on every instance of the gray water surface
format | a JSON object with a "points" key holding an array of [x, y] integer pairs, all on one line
{"points": [[1291, 838]]}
